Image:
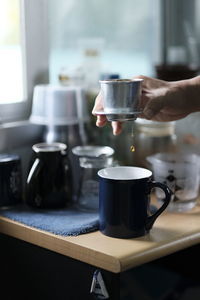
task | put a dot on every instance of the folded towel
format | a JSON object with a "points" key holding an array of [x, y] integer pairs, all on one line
{"points": [[66, 222]]}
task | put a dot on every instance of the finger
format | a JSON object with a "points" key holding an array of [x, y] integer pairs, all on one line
{"points": [[117, 127], [140, 77], [144, 78], [98, 106], [101, 121]]}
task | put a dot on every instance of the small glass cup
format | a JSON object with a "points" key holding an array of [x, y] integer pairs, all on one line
{"points": [[91, 160]]}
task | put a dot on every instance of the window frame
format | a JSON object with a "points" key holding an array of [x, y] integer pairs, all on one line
{"points": [[35, 52]]}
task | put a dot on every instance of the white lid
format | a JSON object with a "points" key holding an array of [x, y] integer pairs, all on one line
{"points": [[93, 151], [149, 123], [58, 105], [154, 128]]}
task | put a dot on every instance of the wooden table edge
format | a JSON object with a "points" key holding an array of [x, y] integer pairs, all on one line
{"points": [[67, 247]]}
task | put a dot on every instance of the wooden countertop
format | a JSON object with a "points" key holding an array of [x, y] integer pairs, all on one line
{"points": [[171, 232]]}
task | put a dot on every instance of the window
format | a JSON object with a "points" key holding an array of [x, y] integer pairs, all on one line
{"points": [[10, 52], [125, 32], [132, 34], [23, 55]]}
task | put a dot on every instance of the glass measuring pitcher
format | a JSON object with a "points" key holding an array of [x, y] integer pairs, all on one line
{"points": [[91, 160]]}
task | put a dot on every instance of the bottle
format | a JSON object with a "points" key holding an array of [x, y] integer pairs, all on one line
{"points": [[152, 137], [180, 65]]}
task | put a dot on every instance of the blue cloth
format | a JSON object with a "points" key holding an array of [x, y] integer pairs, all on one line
{"points": [[66, 222]]}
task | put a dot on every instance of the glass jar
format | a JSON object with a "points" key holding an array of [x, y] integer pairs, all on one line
{"points": [[91, 160], [151, 137]]}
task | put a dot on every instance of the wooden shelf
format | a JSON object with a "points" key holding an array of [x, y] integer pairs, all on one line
{"points": [[171, 232]]}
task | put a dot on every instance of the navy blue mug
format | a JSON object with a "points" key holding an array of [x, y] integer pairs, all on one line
{"points": [[124, 201]]}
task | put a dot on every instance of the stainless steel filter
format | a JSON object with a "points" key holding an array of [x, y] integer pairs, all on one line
{"points": [[121, 99]]}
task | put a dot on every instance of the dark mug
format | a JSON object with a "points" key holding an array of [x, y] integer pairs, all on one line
{"points": [[49, 182], [10, 180], [124, 201]]}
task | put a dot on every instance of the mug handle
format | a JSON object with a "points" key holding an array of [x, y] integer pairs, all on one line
{"points": [[151, 219], [34, 171]]}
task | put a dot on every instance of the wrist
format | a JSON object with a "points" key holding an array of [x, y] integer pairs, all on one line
{"points": [[190, 91]]}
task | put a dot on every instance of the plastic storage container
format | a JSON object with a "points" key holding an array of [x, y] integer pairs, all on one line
{"points": [[181, 172]]}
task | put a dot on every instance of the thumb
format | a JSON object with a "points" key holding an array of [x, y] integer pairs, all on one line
{"points": [[153, 107]]}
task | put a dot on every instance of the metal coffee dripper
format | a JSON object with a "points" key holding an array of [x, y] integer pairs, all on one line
{"points": [[121, 99]]}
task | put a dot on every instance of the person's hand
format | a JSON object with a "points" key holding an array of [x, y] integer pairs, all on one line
{"points": [[102, 120], [169, 101], [161, 101], [149, 86]]}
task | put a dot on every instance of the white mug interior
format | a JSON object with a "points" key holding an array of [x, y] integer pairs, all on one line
{"points": [[124, 173]]}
